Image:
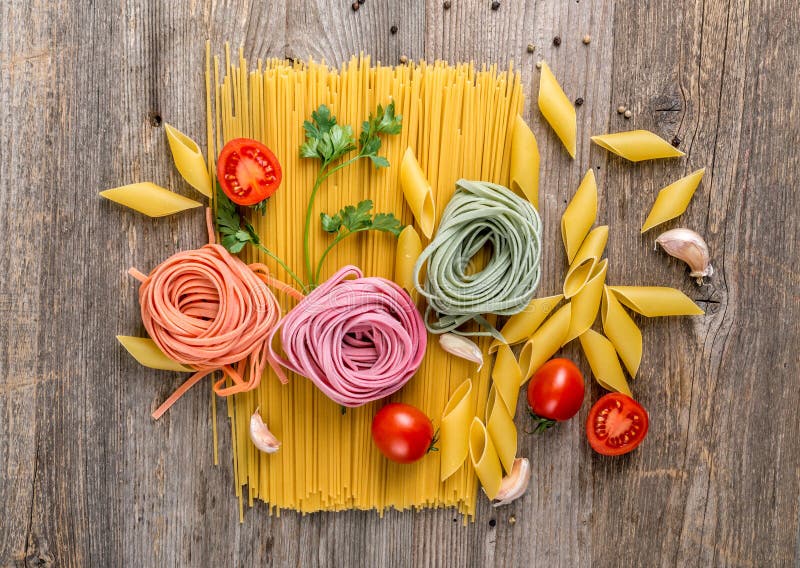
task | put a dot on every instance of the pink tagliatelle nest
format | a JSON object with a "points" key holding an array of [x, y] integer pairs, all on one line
{"points": [[358, 339]]}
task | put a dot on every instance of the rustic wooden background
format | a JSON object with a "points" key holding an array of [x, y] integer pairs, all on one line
{"points": [[88, 479]]}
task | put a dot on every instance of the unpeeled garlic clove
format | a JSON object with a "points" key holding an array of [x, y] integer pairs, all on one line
{"points": [[689, 247], [262, 438], [462, 347], [514, 485]]}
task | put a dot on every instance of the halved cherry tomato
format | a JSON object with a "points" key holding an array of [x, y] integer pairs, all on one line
{"points": [[402, 432], [617, 424], [248, 171], [555, 392]]}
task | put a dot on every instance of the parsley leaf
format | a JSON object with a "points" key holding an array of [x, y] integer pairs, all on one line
{"points": [[388, 223], [353, 219]]}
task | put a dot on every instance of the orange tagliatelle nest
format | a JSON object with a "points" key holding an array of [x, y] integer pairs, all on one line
{"points": [[209, 310]]}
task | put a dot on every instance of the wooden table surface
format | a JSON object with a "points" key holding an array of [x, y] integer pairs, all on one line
{"points": [[88, 479]]}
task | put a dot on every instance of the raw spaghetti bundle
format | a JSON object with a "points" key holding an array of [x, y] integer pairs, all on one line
{"points": [[209, 310], [479, 214], [358, 339]]}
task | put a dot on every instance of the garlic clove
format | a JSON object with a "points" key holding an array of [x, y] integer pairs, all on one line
{"points": [[262, 438], [514, 485], [688, 246], [460, 346]]}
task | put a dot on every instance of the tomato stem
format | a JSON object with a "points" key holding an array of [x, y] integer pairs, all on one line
{"points": [[434, 440], [541, 424]]}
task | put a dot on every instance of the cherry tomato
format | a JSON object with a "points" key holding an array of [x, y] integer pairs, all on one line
{"points": [[617, 424], [555, 392], [402, 432], [248, 171]]}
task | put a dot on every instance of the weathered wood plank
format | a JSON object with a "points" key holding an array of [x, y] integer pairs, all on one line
{"points": [[89, 479]]}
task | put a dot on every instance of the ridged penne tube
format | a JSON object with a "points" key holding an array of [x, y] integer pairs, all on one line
{"points": [[544, 343], [409, 247], [418, 193], [585, 260], [586, 303], [454, 429], [525, 162], [148, 354], [484, 458], [603, 360], [673, 200], [656, 301], [637, 145], [150, 199], [557, 109], [521, 326], [622, 331], [189, 160], [501, 429], [579, 215], [507, 377]]}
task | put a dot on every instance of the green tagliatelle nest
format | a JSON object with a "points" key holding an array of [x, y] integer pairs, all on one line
{"points": [[480, 214]]}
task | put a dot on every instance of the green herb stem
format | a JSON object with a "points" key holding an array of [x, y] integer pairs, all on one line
{"points": [[288, 270]]}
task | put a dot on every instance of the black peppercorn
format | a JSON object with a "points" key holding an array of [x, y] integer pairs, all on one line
{"points": [[557, 41], [393, 29], [578, 101], [495, 5], [355, 6], [446, 5], [676, 141]]}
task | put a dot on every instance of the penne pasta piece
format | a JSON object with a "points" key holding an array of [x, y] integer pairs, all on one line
{"points": [[418, 193], [586, 303], [150, 199], [637, 145], [557, 109], [454, 429], [673, 200], [656, 301], [603, 360], [148, 354], [621, 330], [525, 162], [585, 261], [544, 343], [189, 160], [507, 377], [579, 216], [484, 458], [501, 429], [521, 326], [409, 247]]}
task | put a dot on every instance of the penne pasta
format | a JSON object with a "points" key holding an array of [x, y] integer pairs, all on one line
{"points": [[656, 301], [484, 458], [189, 160], [525, 162], [409, 247], [621, 330], [604, 362], [150, 199], [521, 326], [585, 261], [579, 215], [501, 429], [545, 342], [637, 145], [557, 109], [507, 377], [454, 429], [673, 200], [586, 303], [148, 354], [418, 193]]}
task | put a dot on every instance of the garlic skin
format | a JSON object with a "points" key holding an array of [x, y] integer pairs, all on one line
{"points": [[262, 438], [514, 485], [462, 347], [689, 247]]}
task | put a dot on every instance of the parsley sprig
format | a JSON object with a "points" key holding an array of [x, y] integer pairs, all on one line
{"points": [[355, 219], [235, 233], [328, 141]]}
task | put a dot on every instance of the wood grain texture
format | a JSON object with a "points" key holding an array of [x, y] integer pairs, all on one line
{"points": [[88, 479]]}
